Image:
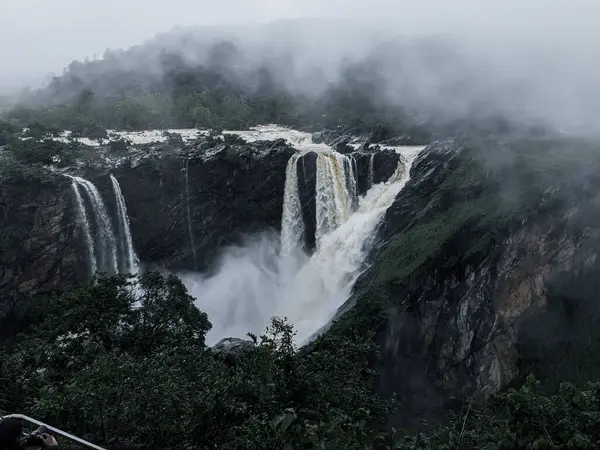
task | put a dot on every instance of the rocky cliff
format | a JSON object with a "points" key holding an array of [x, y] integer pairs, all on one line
{"points": [[486, 240], [184, 207], [183, 204], [39, 241]]}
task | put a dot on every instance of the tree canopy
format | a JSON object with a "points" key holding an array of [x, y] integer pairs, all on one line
{"points": [[123, 362]]}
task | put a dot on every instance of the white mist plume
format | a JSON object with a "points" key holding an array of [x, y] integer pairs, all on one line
{"points": [[533, 60]]}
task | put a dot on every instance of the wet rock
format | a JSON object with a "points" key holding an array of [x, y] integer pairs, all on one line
{"points": [[39, 246], [181, 222], [231, 346], [307, 183]]}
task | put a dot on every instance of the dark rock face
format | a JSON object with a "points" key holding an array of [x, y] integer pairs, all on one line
{"points": [[307, 183], [339, 138], [207, 200], [383, 163], [40, 250], [183, 209], [471, 254]]}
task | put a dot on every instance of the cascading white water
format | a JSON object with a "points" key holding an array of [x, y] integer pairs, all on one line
{"points": [[87, 229], [128, 259], [105, 241], [272, 276], [351, 180], [292, 224], [334, 199], [325, 282], [372, 170]]}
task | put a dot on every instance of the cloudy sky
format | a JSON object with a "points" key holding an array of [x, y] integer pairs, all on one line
{"points": [[38, 37]]}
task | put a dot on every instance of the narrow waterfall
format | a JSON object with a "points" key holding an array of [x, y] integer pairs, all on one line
{"points": [[127, 260], [351, 175], [188, 213], [83, 219], [104, 236], [292, 224], [372, 170]]}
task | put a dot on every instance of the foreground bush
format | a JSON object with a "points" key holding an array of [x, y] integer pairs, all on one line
{"points": [[123, 362]]}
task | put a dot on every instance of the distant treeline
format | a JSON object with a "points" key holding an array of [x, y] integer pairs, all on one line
{"points": [[170, 92]]}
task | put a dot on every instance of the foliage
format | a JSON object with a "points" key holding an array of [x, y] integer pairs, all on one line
{"points": [[45, 151], [124, 362], [520, 419], [92, 96]]}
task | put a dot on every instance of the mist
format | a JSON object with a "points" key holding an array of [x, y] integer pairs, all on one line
{"points": [[530, 61]]}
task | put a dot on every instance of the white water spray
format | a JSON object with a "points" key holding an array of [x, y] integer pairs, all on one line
{"points": [[128, 260]]}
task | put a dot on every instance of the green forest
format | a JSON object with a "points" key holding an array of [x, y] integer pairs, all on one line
{"points": [[93, 96], [123, 362]]}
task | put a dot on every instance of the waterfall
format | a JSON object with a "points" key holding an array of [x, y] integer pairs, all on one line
{"points": [[83, 219], [273, 276], [325, 282], [188, 213], [292, 223], [351, 180], [105, 241], [334, 199], [128, 258], [108, 252], [372, 170]]}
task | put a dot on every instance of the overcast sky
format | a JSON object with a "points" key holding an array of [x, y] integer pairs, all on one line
{"points": [[38, 37]]}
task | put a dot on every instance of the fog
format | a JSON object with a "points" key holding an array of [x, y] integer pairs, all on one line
{"points": [[533, 59]]}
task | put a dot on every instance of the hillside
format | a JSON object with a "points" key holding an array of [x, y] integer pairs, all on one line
{"points": [[407, 268], [186, 80]]}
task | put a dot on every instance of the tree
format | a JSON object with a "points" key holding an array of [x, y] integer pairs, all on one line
{"points": [[202, 117], [124, 361]]}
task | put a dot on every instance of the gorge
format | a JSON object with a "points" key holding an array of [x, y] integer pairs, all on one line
{"points": [[455, 257], [330, 209]]}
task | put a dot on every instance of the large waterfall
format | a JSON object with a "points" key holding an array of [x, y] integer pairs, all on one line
{"points": [[108, 252], [325, 281], [273, 276]]}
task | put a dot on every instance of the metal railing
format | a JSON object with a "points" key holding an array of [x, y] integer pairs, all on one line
{"points": [[53, 429]]}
